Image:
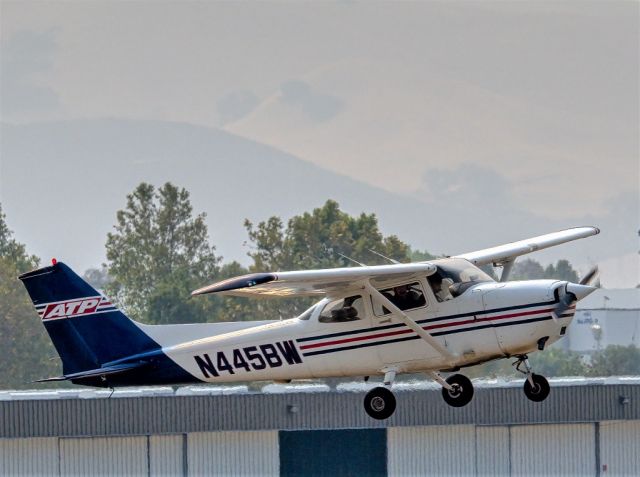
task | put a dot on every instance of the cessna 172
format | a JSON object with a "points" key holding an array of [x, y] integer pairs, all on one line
{"points": [[431, 317]]}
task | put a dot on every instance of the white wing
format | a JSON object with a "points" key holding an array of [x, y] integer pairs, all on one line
{"points": [[314, 282], [508, 252]]}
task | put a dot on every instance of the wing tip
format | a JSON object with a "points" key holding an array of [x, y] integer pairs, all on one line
{"points": [[592, 228]]}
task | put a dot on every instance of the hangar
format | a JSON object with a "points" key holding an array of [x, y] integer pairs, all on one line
{"points": [[585, 427]]}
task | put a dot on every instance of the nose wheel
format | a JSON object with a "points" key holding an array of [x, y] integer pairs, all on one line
{"points": [[536, 386], [539, 390]]}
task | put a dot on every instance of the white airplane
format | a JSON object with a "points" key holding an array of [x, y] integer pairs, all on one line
{"points": [[429, 317]]}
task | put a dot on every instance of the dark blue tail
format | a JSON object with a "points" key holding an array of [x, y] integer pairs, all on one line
{"points": [[86, 329]]}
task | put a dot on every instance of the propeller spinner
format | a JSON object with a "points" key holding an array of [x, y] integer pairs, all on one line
{"points": [[576, 291]]}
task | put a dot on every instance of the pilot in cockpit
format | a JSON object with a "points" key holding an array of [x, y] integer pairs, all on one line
{"points": [[341, 310], [440, 287], [406, 298]]}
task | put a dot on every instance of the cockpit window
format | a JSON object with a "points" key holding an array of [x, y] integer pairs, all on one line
{"points": [[453, 277], [345, 309], [405, 297]]}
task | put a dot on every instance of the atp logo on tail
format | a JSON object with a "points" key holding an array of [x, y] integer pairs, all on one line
{"points": [[73, 308]]}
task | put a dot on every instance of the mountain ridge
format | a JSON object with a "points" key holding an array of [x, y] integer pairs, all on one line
{"points": [[230, 178]]}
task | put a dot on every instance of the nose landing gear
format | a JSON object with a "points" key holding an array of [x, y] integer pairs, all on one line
{"points": [[536, 387]]}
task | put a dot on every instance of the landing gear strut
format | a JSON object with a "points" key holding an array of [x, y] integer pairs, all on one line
{"points": [[380, 403], [457, 389], [536, 387]]}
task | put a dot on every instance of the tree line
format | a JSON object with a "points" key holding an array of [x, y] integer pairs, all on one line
{"points": [[160, 250]]}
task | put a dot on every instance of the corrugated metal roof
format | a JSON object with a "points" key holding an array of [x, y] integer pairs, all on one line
{"points": [[419, 404], [611, 299]]}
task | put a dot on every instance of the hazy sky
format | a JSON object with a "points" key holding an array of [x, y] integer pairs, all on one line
{"points": [[408, 97]]}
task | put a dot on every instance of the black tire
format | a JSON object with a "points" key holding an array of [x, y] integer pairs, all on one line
{"points": [[461, 394], [380, 403], [540, 389]]}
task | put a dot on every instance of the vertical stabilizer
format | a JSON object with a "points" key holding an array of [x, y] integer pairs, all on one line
{"points": [[85, 327]]}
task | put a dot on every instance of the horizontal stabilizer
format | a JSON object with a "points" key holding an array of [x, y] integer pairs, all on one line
{"points": [[93, 373]]}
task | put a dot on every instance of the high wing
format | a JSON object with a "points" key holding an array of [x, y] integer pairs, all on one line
{"points": [[314, 282], [503, 254]]}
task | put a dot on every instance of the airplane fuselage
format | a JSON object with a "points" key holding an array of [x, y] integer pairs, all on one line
{"points": [[488, 321]]}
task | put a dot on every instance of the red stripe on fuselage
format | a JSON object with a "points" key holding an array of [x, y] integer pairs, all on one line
{"points": [[358, 338], [431, 327]]}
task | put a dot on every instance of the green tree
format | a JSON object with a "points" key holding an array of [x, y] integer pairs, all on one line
{"points": [[26, 348], [158, 253], [616, 360], [553, 362], [323, 238], [561, 271], [420, 255], [13, 250], [556, 362], [98, 277], [527, 269]]}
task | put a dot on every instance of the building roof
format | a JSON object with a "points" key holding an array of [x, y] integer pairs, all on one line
{"points": [[612, 299], [305, 406]]}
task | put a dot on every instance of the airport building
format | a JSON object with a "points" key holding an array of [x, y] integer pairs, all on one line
{"points": [[606, 317], [585, 427]]}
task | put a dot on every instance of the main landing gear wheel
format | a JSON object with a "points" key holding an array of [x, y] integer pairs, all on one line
{"points": [[461, 391], [380, 403], [539, 390]]}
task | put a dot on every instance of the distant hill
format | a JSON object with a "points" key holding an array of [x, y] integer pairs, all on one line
{"points": [[61, 184]]}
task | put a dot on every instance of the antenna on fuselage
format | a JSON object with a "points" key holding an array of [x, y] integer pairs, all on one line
{"points": [[386, 258]]}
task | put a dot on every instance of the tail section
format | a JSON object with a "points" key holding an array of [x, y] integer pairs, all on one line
{"points": [[85, 327]]}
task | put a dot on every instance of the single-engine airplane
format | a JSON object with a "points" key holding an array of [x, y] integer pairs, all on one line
{"points": [[431, 317]]}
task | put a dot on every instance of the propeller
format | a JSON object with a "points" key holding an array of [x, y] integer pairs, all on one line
{"points": [[591, 278], [575, 291]]}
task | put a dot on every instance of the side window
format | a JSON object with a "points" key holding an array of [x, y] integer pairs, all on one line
{"points": [[405, 297], [345, 309], [440, 287]]}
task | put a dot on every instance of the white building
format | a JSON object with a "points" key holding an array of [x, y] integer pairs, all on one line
{"points": [[606, 317]]}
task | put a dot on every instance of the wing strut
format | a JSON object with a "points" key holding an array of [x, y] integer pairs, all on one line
{"points": [[398, 313], [507, 266]]}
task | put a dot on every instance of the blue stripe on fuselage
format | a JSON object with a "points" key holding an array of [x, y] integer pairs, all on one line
{"points": [[426, 320], [416, 337]]}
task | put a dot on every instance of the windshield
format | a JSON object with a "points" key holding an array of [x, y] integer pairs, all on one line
{"points": [[308, 312], [460, 274], [344, 309]]}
